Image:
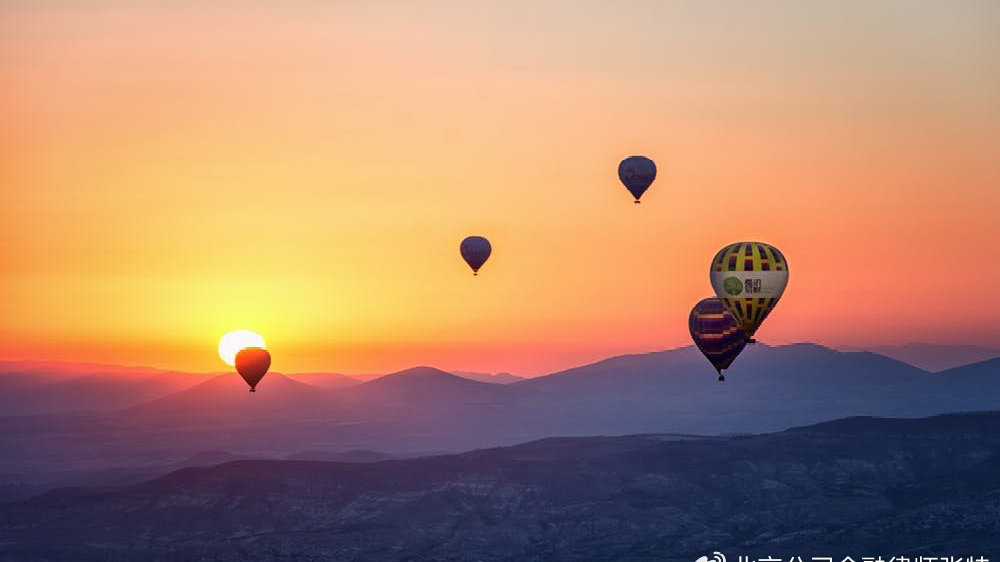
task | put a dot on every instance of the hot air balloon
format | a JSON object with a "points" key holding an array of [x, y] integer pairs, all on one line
{"points": [[749, 278], [252, 363], [716, 333], [637, 172], [475, 251]]}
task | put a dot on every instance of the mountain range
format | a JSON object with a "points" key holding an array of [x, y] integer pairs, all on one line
{"points": [[934, 356], [52, 387], [859, 487], [44, 387], [424, 410]]}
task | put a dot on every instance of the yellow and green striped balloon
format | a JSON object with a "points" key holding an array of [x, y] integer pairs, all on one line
{"points": [[749, 278]]}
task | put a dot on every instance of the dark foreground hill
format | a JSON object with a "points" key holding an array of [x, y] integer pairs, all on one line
{"points": [[858, 487]]}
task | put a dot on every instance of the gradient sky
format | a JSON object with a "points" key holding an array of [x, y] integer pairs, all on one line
{"points": [[175, 170]]}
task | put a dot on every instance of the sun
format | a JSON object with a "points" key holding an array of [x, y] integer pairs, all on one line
{"points": [[231, 344]]}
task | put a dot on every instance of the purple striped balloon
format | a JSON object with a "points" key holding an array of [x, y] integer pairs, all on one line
{"points": [[716, 333]]}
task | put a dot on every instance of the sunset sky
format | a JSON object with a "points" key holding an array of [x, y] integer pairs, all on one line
{"points": [[306, 169]]}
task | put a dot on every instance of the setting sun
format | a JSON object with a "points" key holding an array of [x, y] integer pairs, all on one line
{"points": [[231, 344]]}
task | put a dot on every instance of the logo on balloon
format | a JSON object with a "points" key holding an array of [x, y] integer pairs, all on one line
{"points": [[732, 285]]}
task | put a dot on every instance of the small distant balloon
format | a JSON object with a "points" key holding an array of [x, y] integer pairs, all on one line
{"points": [[475, 251], [252, 364], [716, 333], [749, 278], [637, 173]]}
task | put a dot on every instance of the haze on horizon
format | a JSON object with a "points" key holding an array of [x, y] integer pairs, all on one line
{"points": [[307, 169]]}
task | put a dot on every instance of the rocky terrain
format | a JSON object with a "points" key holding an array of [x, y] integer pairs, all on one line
{"points": [[858, 486]]}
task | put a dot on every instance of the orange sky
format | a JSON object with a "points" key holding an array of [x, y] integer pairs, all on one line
{"points": [[306, 169]]}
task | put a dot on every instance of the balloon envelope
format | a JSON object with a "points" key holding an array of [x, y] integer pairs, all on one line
{"points": [[716, 333], [749, 278], [637, 172], [252, 363], [475, 251]]}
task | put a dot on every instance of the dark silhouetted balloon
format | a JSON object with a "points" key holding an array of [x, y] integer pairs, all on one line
{"points": [[716, 333], [749, 277], [475, 251], [252, 363], [637, 172]]}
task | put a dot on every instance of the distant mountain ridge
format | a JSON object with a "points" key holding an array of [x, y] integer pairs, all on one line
{"points": [[32, 387], [336, 380], [227, 395], [844, 488], [325, 380], [424, 409], [495, 378], [47, 387], [935, 357]]}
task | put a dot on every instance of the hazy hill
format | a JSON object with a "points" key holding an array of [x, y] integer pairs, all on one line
{"points": [[357, 455], [325, 380], [969, 387], [229, 398], [984, 372], [767, 389], [937, 357], [495, 378], [853, 487], [35, 387], [423, 385], [61, 475]]}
